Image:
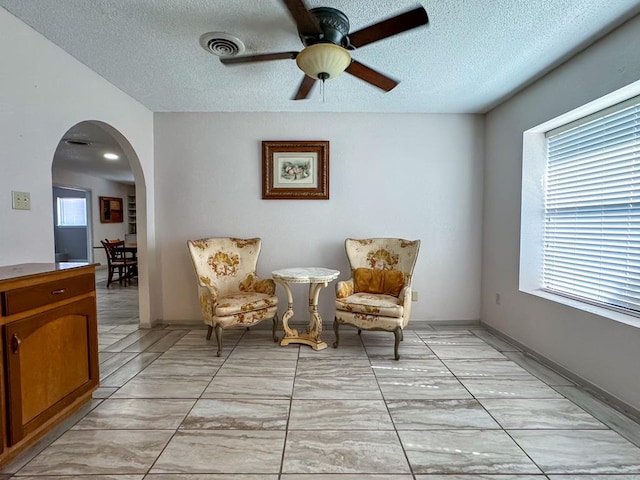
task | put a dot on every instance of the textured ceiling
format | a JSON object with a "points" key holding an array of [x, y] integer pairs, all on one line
{"points": [[473, 55]]}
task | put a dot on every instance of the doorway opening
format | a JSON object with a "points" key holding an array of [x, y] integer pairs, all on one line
{"points": [[94, 165], [71, 233]]}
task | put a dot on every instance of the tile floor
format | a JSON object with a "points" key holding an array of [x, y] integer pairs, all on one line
{"points": [[460, 404]]}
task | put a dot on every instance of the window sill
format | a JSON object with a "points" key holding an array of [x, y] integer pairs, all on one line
{"points": [[586, 307]]}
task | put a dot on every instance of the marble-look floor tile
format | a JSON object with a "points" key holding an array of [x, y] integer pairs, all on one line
{"points": [[451, 339], [163, 387], [533, 413], [238, 414], [534, 367], [494, 340], [222, 451], [606, 414], [129, 370], [333, 367], [439, 414], [343, 351], [146, 341], [339, 415], [104, 392], [406, 352], [593, 477], [478, 477], [114, 362], [85, 452], [250, 387], [187, 367], [208, 476], [410, 368], [128, 340], [258, 368], [460, 352], [168, 341], [137, 414], [362, 387], [344, 476], [486, 368], [579, 451], [429, 388], [381, 338], [465, 451], [500, 387], [81, 477], [51, 436], [344, 452], [260, 353]]}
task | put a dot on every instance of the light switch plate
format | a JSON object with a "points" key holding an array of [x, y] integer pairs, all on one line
{"points": [[414, 296], [21, 200]]}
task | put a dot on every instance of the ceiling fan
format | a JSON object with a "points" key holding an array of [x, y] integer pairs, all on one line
{"points": [[324, 32]]}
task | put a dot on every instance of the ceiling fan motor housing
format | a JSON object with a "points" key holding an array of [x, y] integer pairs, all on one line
{"points": [[334, 25]]}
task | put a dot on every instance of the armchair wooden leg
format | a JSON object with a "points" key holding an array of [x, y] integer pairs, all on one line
{"points": [[336, 326], [275, 327], [209, 332], [398, 334], [219, 338], [359, 331]]}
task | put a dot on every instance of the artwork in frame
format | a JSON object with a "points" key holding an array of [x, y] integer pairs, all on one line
{"points": [[111, 210], [295, 170]]}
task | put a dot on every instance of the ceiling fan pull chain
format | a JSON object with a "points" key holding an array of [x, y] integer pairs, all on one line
{"points": [[322, 90]]}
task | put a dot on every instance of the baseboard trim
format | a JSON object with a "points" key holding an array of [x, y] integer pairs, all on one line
{"points": [[599, 393]]}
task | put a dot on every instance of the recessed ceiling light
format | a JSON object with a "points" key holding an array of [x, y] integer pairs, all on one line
{"points": [[111, 156]]}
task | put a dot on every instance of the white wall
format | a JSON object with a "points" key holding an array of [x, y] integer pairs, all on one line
{"points": [[98, 187], [601, 351], [43, 93], [411, 176]]}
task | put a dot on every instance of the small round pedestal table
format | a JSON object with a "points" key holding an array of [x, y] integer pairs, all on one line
{"points": [[317, 278]]}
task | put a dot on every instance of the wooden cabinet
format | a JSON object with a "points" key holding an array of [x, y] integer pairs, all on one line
{"points": [[50, 348]]}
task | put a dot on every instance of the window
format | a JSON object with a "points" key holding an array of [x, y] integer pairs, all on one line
{"points": [[592, 209], [72, 212]]}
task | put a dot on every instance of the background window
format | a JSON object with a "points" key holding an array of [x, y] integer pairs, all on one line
{"points": [[592, 209], [72, 212]]}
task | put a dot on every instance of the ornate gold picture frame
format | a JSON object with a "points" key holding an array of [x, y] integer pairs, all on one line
{"points": [[295, 170]]}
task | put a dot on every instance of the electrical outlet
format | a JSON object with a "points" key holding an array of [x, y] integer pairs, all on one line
{"points": [[498, 299], [21, 200], [414, 296]]}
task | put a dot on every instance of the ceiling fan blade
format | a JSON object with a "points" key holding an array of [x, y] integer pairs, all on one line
{"points": [[371, 76], [305, 87], [306, 24], [261, 57], [392, 26]]}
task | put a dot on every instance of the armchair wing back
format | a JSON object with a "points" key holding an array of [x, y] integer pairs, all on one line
{"points": [[231, 293], [378, 294]]}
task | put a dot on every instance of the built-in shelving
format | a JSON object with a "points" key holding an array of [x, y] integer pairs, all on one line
{"points": [[131, 213]]}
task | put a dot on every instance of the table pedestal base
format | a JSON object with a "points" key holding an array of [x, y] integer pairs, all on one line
{"points": [[305, 339], [312, 337]]}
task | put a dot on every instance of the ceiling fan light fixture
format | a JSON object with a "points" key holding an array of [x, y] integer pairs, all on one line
{"points": [[323, 61]]}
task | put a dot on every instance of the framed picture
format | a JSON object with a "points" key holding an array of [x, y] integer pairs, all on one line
{"points": [[111, 210], [295, 170]]}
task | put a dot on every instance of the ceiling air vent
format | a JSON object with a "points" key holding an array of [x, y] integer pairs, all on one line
{"points": [[221, 44]]}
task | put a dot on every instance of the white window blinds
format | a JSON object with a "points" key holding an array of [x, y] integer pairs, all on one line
{"points": [[592, 209]]}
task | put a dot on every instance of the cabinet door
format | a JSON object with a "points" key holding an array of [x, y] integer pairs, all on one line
{"points": [[52, 359]]}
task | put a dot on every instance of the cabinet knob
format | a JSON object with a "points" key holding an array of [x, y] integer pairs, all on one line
{"points": [[15, 343], [59, 291]]}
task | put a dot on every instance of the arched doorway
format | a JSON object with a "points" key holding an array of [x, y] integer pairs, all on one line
{"points": [[96, 158]]}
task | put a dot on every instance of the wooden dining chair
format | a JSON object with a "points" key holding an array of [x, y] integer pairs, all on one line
{"points": [[118, 262]]}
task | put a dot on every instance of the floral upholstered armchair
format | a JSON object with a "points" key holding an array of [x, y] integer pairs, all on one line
{"points": [[231, 294], [378, 294]]}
